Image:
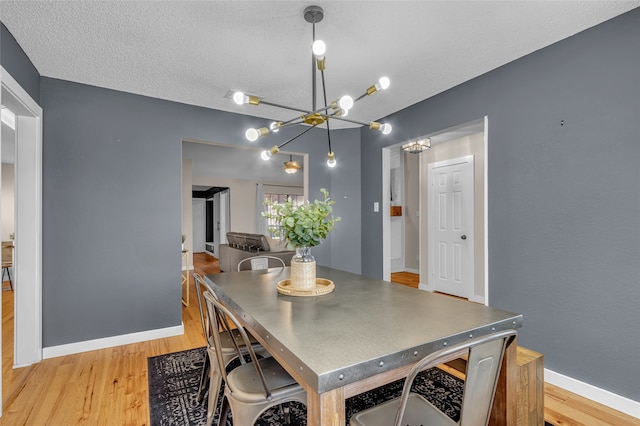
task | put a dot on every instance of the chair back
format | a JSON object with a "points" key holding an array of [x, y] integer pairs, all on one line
{"points": [[201, 287], [483, 367], [219, 317], [259, 263]]}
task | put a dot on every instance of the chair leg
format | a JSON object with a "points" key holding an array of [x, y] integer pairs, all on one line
{"points": [[224, 413], [215, 381], [204, 380], [9, 274]]}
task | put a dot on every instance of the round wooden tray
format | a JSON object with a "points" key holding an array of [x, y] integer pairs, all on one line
{"points": [[323, 286]]}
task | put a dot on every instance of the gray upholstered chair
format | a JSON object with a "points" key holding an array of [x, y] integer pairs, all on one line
{"points": [[227, 350], [483, 367], [260, 262], [254, 386]]}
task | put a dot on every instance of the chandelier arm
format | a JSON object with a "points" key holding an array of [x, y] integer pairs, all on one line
{"points": [[295, 137], [324, 92], [360, 97], [285, 107], [292, 122], [335, 117]]}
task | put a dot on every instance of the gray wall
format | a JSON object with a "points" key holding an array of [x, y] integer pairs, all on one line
{"points": [[15, 61], [345, 190], [112, 205], [564, 200]]}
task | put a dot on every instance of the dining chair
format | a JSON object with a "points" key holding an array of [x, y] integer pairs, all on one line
{"points": [[227, 349], [7, 260], [255, 385], [483, 367], [259, 262]]}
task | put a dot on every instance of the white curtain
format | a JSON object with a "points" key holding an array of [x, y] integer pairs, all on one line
{"points": [[261, 222]]}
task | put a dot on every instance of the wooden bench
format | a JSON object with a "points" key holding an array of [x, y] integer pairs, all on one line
{"points": [[530, 399]]}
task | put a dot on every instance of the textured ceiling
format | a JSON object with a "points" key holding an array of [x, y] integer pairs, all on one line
{"points": [[195, 51]]}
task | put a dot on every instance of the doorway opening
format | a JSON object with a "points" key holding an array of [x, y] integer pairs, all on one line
{"points": [[211, 218], [466, 139], [233, 182], [27, 276]]}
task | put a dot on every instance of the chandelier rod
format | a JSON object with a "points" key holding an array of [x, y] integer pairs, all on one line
{"points": [[313, 70]]}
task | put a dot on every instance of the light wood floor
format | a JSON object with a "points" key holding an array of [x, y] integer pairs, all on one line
{"points": [[109, 386]]}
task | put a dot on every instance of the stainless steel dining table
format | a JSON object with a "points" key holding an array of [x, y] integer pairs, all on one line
{"points": [[364, 334]]}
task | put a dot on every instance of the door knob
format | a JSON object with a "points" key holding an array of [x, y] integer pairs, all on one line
{"points": [[463, 237]]}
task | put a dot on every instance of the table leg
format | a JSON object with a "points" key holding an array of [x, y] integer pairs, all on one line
{"points": [[326, 409], [505, 403]]}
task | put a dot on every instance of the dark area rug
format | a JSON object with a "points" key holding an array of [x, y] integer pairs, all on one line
{"points": [[174, 378]]}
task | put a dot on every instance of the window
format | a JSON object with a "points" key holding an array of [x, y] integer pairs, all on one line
{"points": [[279, 198]]}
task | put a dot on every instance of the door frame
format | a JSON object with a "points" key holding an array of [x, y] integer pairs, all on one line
{"points": [[431, 194], [386, 240], [28, 222]]}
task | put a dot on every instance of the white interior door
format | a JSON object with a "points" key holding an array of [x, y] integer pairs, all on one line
{"points": [[450, 209], [199, 229]]}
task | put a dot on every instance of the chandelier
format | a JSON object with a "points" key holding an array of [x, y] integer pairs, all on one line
{"points": [[417, 146], [316, 116]]}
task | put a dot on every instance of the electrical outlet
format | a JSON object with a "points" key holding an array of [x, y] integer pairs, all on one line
{"points": [[376, 207]]}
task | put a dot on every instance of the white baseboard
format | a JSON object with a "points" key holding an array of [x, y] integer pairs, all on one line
{"points": [[108, 342], [604, 397], [413, 271]]}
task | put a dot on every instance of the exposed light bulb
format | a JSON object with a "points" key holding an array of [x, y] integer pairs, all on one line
{"points": [[252, 134], [266, 155], [319, 48], [331, 159], [383, 83], [344, 112], [275, 126], [346, 102], [239, 98], [386, 128]]}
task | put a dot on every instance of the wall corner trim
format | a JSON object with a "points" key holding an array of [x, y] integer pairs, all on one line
{"points": [[108, 342], [605, 397]]}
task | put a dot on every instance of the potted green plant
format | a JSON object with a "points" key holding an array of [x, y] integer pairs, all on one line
{"points": [[303, 227]]}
